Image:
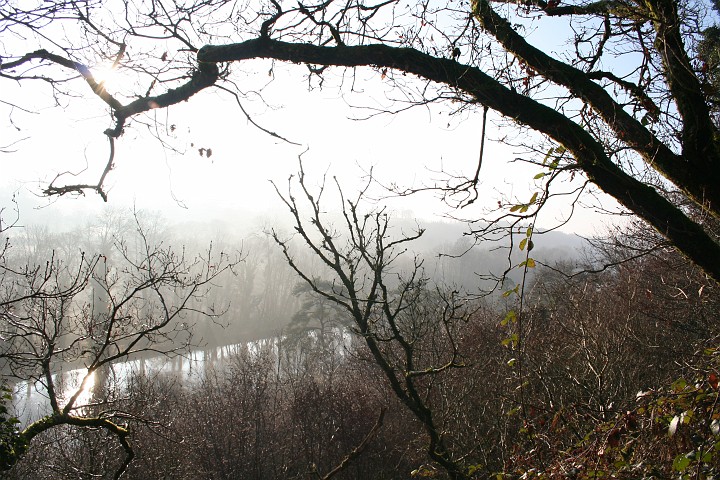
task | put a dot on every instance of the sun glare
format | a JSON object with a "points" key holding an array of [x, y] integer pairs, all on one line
{"points": [[86, 393], [106, 75]]}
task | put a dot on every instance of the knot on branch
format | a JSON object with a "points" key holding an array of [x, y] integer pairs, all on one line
{"points": [[202, 53], [204, 76]]}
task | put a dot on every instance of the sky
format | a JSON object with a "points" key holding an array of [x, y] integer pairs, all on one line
{"points": [[408, 148]]}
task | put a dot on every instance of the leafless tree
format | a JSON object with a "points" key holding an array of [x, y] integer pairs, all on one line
{"points": [[90, 312], [627, 106], [407, 325]]}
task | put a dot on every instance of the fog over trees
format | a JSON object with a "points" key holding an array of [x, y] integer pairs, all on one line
{"points": [[341, 337], [510, 387]]}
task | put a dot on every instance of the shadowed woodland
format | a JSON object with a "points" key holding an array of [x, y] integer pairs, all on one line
{"points": [[581, 373]]}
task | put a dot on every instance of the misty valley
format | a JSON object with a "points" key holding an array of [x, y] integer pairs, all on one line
{"points": [[267, 372], [368, 239]]}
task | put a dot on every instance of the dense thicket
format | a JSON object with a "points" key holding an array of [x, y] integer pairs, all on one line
{"points": [[592, 385]]}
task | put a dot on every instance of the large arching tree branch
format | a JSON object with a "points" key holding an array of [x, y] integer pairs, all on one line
{"points": [[49, 422], [643, 200], [7, 69], [601, 7], [204, 76], [699, 135], [692, 171]]}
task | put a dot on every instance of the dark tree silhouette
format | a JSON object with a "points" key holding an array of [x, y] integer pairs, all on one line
{"points": [[629, 104], [408, 326]]}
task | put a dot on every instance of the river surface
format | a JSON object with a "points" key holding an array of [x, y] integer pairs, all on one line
{"points": [[31, 402]]}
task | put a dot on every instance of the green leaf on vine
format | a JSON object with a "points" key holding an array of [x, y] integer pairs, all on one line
{"points": [[509, 317]]}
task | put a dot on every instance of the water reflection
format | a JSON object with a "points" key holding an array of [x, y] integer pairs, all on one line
{"points": [[31, 402]]}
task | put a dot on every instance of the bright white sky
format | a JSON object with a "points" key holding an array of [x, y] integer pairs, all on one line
{"points": [[407, 149]]}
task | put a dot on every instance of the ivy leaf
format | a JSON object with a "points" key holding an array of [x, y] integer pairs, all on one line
{"points": [[679, 385], [681, 463], [523, 242]]}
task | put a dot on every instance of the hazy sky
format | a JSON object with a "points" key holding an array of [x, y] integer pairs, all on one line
{"points": [[408, 148]]}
